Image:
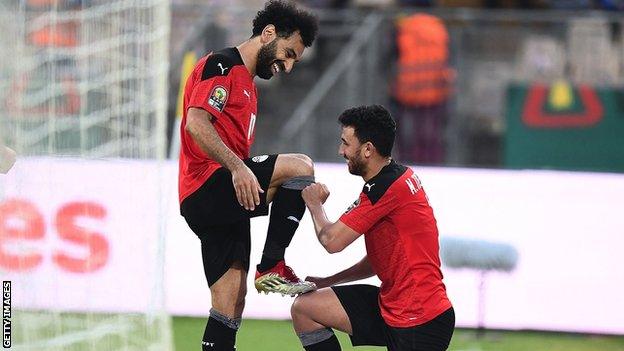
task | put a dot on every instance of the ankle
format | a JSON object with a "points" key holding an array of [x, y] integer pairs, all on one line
{"points": [[267, 263]]}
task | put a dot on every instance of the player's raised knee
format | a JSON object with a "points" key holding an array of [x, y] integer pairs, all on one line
{"points": [[306, 164], [294, 165]]}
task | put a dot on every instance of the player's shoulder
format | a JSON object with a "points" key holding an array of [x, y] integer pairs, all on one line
{"points": [[378, 186], [220, 63]]}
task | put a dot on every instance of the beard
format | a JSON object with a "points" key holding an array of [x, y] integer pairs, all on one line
{"points": [[266, 58], [356, 166]]}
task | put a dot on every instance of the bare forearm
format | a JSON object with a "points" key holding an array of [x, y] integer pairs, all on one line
{"points": [[206, 136], [320, 222], [360, 270]]}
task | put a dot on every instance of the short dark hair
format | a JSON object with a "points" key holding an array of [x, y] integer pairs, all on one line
{"points": [[371, 123], [287, 19]]}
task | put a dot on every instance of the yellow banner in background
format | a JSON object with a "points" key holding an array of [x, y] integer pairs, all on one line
{"points": [[561, 96]]}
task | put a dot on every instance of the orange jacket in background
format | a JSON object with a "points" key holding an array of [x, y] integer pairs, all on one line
{"points": [[423, 77]]}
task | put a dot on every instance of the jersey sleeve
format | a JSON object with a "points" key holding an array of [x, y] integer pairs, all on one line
{"points": [[211, 95], [365, 214]]}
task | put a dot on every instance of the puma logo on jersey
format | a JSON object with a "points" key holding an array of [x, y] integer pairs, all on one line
{"points": [[369, 186], [222, 69]]}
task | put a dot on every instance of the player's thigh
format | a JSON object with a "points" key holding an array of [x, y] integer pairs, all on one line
{"points": [[213, 204], [291, 165], [323, 307]]}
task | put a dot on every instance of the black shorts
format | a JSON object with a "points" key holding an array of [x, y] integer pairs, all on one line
{"points": [[221, 223], [361, 304]]}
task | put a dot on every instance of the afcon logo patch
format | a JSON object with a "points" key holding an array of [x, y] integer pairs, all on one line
{"points": [[218, 97], [259, 159]]}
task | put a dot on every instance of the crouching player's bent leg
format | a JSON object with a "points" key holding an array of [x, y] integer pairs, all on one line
{"points": [[354, 309], [314, 315]]}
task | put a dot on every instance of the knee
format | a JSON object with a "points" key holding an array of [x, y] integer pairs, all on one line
{"points": [[229, 304], [299, 307], [305, 164]]}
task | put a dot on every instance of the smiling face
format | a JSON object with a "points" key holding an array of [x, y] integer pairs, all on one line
{"points": [[353, 151], [279, 54]]}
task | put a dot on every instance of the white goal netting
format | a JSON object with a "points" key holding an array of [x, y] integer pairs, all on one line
{"points": [[82, 102]]}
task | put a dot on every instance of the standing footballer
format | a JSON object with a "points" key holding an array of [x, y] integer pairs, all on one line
{"points": [[410, 311], [221, 188]]}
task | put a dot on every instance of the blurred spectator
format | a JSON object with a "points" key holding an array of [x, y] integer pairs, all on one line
{"points": [[61, 33], [421, 88]]}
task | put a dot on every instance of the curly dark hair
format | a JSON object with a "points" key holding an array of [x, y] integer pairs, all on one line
{"points": [[287, 19], [371, 123]]}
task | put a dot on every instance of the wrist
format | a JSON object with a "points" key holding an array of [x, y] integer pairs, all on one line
{"points": [[314, 206], [235, 165]]}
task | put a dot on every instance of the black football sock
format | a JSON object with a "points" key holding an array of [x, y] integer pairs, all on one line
{"points": [[320, 340], [220, 332], [286, 212]]}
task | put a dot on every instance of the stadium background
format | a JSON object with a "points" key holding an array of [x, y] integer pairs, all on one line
{"points": [[100, 259]]}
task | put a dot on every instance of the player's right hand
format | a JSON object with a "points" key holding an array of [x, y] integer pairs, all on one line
{"points": [[315, 194], [247, 187]]}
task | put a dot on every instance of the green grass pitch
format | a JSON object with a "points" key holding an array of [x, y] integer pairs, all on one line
{"points": [[264, 335]]}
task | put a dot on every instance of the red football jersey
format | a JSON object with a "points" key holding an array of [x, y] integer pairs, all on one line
{"points": [[401, 237], [221, 85]]}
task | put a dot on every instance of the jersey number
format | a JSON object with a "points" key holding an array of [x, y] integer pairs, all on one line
{"points": [[252, 124]]}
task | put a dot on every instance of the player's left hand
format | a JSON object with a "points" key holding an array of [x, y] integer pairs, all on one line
{"points": [[315, 194], [320, 282]]}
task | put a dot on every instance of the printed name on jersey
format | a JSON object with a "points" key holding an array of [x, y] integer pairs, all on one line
{"points": [[353, 205], [218, 97], [260, 158], [414, 184]]}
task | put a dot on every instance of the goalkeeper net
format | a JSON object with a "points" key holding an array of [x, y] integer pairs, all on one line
{"points": [[83, 102]]}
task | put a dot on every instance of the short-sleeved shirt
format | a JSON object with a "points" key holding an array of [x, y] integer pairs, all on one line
{"points": [[221, 85], [402, 244]]}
